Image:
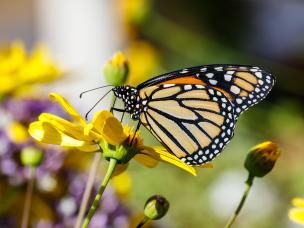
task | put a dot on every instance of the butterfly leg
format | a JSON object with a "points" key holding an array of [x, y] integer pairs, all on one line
{"points": [[123, 114], [137, 128], [113, 105], [117, 109]]}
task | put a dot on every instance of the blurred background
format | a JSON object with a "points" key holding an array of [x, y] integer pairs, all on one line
{"points": [[157, 37]]}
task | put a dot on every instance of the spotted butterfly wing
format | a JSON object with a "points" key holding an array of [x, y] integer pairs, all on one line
{"points": [[193, 111], [193, 121], [243, 85]]}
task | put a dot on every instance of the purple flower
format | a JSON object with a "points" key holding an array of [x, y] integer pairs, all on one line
{"points": [[25, 111]]}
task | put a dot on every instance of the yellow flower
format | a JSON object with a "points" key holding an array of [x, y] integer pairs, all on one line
{"points": [[104, 131], [296, 214], [18, 69]]}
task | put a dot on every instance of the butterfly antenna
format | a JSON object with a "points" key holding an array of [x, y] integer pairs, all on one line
{"points": [[100, 87], [86, 115]]}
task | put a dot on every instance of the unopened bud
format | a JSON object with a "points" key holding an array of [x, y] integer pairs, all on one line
{"points": [[116, 70], [262, 158], [156, 207], [31, 156]]}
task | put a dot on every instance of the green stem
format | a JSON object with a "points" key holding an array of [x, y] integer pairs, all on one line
{"points": [[248, 185], [88, 190], [28, 199], [98, 196], [143, 222]]}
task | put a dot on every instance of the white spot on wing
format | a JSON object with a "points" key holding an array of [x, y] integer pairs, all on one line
{"points": [[234, 89], [258, 74], [184, 71], [188, 87], [227, 77], [218, 68], [213, 82], [209, 75], [168, 85]]}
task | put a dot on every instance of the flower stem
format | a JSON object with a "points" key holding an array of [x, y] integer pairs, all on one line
{"points": [[143, 222], [248, 185], [88, 190], [98, 196], [28, 199]]}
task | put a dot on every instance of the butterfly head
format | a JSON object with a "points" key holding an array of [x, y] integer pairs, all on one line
{"points": [[130, 97]]}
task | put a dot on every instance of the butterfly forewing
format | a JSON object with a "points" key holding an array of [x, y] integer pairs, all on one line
{"points": [[243, 85], [194, 121]]}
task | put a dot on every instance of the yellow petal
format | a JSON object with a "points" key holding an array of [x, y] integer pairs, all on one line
{"points": [[17, 132], [296, 215], [110, 127], [122, 183], [8, 83], [47, 133], [68, 108], [12, 58], [99, 119], [39, 67], [298, 202], [146, 160], [71, 129], [91, 132], [161, 154]]}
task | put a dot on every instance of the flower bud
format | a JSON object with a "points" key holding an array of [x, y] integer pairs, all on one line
{"points": [[262, 158], [156, 207], [122, 153], [116, 70], [31, 156]]}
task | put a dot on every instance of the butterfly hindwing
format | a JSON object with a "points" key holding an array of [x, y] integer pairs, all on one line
{"points": [[194, 121]]}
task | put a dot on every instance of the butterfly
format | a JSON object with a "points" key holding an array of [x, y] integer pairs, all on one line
{"points": [[193, 111]]}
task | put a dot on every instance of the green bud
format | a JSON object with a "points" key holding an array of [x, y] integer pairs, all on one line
{"points": [[116, 70], [261, 159], [122, 153], [156, 207], [31, 156]]}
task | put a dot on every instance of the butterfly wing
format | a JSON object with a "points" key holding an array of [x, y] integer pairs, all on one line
{"points": [[194, 121], [243, 85]]}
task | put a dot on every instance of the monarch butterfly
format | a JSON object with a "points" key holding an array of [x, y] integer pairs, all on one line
{"points": [[193, 111]]}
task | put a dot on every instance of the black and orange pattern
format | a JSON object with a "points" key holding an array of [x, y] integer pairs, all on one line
{"points": [[193, 111]]}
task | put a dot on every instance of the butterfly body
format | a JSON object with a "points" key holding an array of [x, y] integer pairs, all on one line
{"points": [[193, 111]]}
